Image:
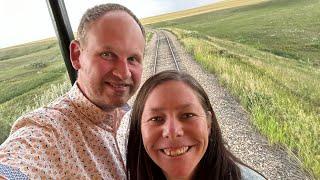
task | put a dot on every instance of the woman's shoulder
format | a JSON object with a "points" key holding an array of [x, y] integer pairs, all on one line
{"points": [[247, 173]]}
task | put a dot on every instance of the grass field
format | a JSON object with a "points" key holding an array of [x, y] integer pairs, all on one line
{"points": [[29, 76], [199, 10], [268, 56], [288, 28]]}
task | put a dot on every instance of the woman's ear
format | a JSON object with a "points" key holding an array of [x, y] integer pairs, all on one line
{"points": [[75, 51]]}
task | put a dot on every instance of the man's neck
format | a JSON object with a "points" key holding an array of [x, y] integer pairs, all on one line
{"points": [[106, 108]]}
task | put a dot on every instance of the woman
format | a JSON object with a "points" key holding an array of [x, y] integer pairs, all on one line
{"points": [[174, 134]]}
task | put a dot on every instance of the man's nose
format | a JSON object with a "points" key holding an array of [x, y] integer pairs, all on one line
{"points": [[172, 129], [121, 69]]}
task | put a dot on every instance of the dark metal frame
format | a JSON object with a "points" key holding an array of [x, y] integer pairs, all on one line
{"points": [[64, 33]]}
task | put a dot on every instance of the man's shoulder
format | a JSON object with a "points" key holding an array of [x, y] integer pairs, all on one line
{"points": [[53, 109], [47, 116]]}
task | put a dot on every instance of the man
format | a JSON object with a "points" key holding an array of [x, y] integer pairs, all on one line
{"points": [[81, 135]]}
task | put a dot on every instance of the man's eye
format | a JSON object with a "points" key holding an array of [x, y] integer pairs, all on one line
{"points": [[132, 59], [106, 55]]}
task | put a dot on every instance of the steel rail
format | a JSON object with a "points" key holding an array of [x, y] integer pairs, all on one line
{"points": [[157, 50], [156, 56], [174, 57]]}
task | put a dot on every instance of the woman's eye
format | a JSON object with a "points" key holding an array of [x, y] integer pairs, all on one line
{"points": [[188, 115], [156, 119]]}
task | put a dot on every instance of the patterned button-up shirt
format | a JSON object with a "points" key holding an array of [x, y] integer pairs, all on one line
{"points": [[70, 138]]}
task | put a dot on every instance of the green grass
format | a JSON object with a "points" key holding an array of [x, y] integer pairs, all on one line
{"points": [[288, 28], [18, 85], [149, 35], [26, 49], [29, 74], [226, 4], [33, 99]]}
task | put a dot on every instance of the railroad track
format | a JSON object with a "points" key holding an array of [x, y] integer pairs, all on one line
{"points": [[165, 57]]}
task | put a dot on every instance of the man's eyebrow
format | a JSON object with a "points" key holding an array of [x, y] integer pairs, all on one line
{"points": [[107, 47], [110, 48]]}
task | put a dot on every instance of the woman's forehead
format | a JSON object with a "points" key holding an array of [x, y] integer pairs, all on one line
{"points": [[175, 94]]}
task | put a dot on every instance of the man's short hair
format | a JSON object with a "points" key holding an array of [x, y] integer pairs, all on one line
{"points": [[98, 11]]}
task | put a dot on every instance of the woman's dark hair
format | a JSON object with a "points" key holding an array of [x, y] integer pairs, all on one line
{"points": [[217, 162]]}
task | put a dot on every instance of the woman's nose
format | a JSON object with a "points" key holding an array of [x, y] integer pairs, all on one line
{"points": [[172, 128]]}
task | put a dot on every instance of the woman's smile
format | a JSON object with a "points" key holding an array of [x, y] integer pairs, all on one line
{"points": [[173, 152]]}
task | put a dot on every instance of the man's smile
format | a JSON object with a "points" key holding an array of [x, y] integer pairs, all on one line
{"points": [[118, 87]]}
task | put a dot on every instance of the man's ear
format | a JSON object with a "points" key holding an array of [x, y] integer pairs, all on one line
{"points": [[75, 51]]}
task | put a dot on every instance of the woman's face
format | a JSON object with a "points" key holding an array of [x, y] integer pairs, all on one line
{"points": [[175, 129]]}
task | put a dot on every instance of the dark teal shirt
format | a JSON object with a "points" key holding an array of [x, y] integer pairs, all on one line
{"points": [[249, 174]]}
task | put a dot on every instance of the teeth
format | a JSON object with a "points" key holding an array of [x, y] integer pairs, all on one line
{"points": [[119, 85], [176, 152]]}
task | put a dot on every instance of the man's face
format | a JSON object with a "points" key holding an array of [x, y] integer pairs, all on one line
{"points": [[110, 60]]}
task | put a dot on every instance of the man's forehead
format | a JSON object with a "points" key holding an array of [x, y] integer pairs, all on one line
{"points": [[117, 16], [113, 21], [116, 13]]}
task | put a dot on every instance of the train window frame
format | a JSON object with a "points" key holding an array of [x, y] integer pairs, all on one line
{"points": [[64, 33]]}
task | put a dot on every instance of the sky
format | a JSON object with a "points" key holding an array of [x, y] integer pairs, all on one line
{"points": [[22, 21]]}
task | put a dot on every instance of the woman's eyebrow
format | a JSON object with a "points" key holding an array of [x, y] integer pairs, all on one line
{"points": [[159, 109], [155, 109]]}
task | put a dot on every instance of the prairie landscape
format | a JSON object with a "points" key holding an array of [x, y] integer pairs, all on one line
{"points": [[265, 52], [31, 75]]}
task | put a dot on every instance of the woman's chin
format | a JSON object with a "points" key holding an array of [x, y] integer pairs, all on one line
{"points": [[178, 173]]}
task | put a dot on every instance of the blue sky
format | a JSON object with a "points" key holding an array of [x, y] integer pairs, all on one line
{"points": [[28, 20]]}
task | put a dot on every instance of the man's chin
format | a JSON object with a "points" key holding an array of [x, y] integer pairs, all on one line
{"points": [[119, 104]]}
